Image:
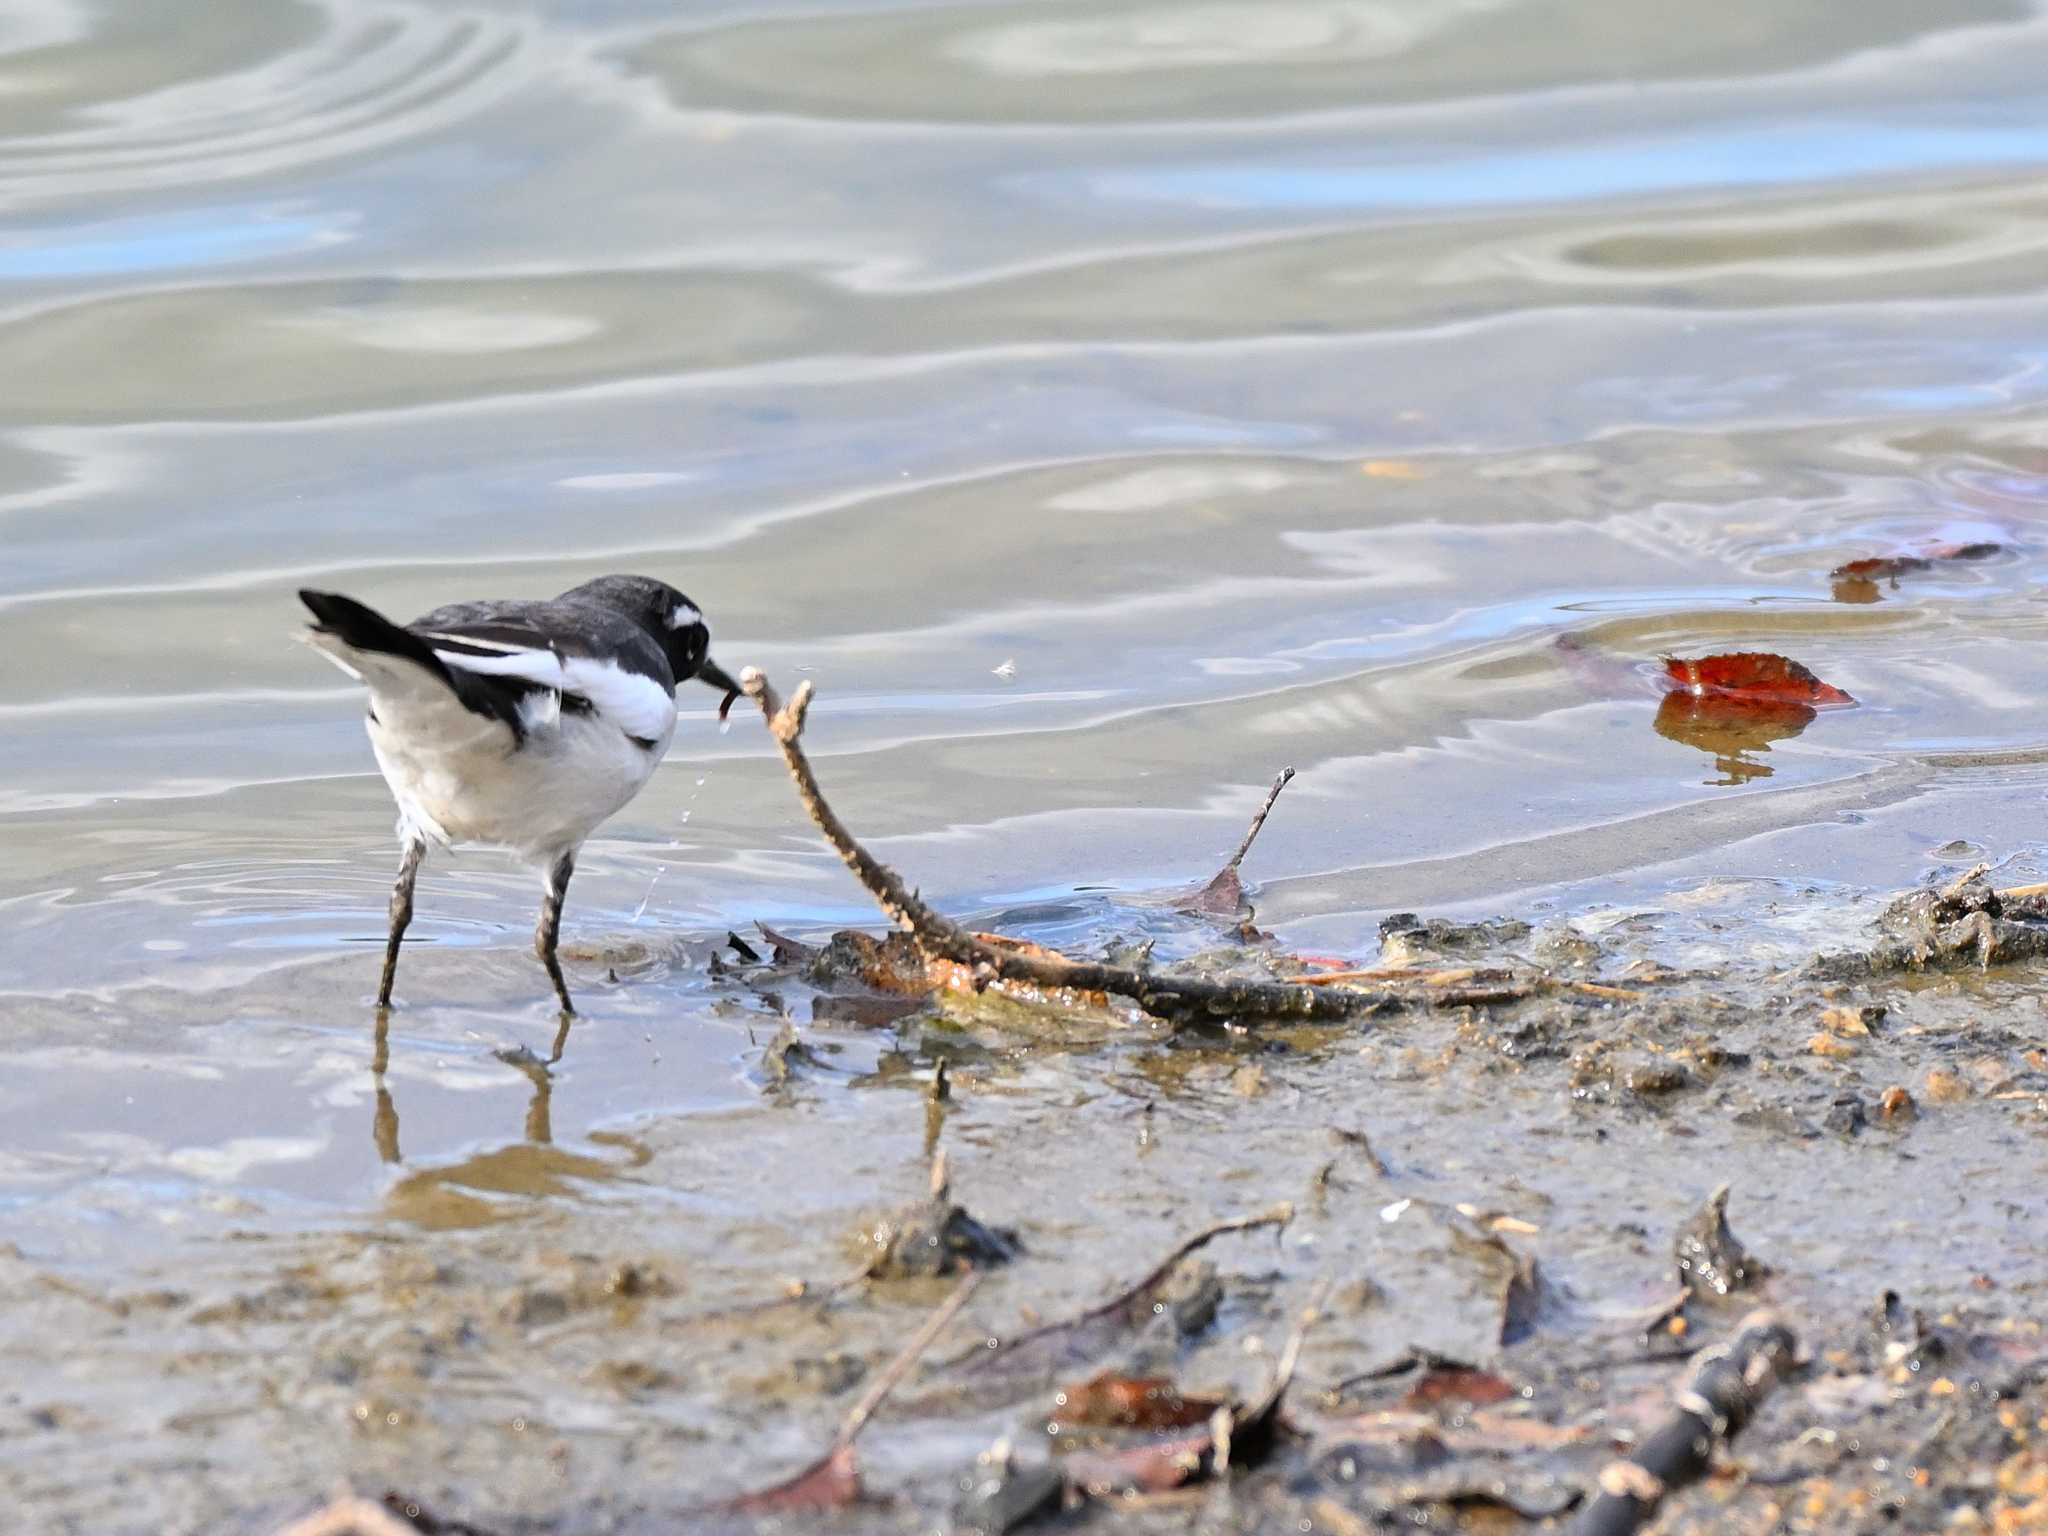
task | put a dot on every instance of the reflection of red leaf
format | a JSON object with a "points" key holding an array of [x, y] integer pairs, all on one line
{"points": [[1457, 1384], [1730, 727], [1132, 1402], [1753, 675]]}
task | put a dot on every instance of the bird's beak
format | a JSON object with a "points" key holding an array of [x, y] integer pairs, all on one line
{"points": [[709, 671]]}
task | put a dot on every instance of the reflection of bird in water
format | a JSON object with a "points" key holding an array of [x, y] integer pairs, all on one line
{"points": [[1728, 728], [539, 1115], [519, 725]]}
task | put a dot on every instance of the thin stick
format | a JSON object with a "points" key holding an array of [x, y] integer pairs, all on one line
{"points": [[1164, 996], [893, 1373], [1259, 820], [1278, 1216], [1391, 973], [1396, 973]]}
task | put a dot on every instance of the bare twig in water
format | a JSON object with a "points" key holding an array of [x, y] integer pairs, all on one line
{"points": [[1223, 896], [1251, 832], [1726, 1386], [1164, 996], [833, 1480]]}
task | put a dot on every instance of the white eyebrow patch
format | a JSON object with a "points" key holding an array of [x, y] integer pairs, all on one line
{"points": [[685, 613]]}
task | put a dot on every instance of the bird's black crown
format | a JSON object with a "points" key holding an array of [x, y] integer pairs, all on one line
{"points": [[676, 624]]}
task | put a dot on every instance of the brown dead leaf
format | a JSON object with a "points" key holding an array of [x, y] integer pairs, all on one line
{"points": [[830, 1483], [1444, 1384], [1824, 1044], [1131, 1402], [1857, 580]]}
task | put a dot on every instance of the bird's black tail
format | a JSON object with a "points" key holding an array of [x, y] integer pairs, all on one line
{"points": [[365, 629]]}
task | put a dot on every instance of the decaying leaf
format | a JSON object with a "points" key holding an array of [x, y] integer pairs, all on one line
{"points": [[1223, 896], [1762, 676], [1108, 1400], [1450, 1383], [1242, 1436], [1857, 580], [832, 1482]]}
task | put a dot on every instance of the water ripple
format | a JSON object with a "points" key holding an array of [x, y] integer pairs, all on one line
{"points": [[369, 77]]}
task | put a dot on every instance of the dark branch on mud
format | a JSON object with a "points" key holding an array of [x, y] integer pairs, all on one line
{"points": [[1728, 1383], [1178, 998]]}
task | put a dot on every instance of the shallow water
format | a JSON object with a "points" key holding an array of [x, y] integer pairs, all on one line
{"points": [[1102, 405]]}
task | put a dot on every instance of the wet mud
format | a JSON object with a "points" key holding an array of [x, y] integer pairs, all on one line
{"points": [[1442, 1266]]}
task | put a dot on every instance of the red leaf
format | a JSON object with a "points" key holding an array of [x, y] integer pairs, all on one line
{"points": [[1879, 567], [1143, 1468], [1132, 1402], [1753, 675], [1457, 1384], [832, 1483]]}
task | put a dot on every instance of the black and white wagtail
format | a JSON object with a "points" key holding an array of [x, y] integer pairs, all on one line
{"points": [[518, 724]]}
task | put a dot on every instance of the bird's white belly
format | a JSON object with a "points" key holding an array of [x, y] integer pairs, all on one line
{"points": [[539, 799]]}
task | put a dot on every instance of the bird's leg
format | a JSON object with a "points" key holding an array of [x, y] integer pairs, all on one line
{"points": [[401, 913], [549, 929]]}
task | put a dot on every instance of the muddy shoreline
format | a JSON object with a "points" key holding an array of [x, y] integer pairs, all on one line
{"points": [[1490, 1197]]}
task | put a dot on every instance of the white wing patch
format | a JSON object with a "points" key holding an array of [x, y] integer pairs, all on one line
{"points": [[634, 702], [685, 613], [640, 705], [505, 647]]}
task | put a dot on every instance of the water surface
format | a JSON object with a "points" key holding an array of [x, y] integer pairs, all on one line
{"points": [[1103, 405]]}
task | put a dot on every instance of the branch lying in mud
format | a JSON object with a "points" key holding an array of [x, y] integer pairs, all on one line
{"points": [[1168, 997], [1727, 1384]]}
